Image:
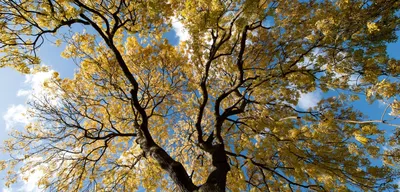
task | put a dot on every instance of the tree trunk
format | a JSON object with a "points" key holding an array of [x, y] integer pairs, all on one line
{"points": [[216, 181]]}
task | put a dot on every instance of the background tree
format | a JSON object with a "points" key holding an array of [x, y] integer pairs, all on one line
{"points": [[216, 112]]}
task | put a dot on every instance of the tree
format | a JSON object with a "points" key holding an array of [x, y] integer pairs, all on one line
{"points": [[216, 112]]}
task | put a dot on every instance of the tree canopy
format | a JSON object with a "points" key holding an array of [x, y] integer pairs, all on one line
{"points": [[216, 112]]}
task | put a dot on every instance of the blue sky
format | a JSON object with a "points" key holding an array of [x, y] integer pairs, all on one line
{"points": [[16, 86]]}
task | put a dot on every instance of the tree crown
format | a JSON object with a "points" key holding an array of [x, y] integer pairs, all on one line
{"points": [[216, 112]]}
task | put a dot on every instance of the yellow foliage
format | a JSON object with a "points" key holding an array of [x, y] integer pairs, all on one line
{"points": [[222, 103], [360, 138]]}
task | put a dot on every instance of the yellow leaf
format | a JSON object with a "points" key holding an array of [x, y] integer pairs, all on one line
{"points": [[360, 138]]}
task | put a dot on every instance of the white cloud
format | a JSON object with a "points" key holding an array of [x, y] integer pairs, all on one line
{"points": [[30, 184], [309, 100], [38, 91], [23, 92], [15, 116], [31, 178], [35, 83], [7, 189], [179, 29]]}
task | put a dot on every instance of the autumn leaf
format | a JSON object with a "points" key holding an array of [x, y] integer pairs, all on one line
{"points": [[218, 111]]}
